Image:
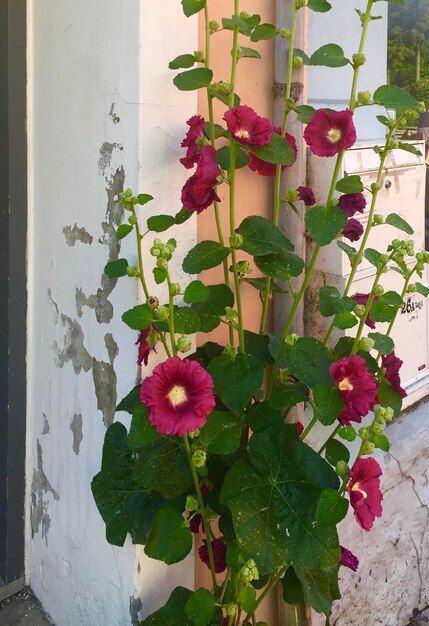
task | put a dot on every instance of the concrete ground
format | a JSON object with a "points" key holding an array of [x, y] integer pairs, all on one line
{"points": [[23, 609]]}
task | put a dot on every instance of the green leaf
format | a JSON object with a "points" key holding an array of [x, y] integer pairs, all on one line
{"points": [[123, 505], [123, 231], [196, 291], [320, 587], [332, 508], [144, 198], [292, 588], [200, 607], [349, 250], [182, 61], [160, 275], [381, 442], [203, 256], [381, 312], [221, 433], [321, 6], [243, 26], [304, 112], [257, 345], [215, 93], [141, 430], [370, 362], [131, 400], [223, 157], [382, 343], [281, 266], [328, 403], [332, 302], [350, 184], [247, 599], [383, 120], [398, 222], [324, 223], [193, 79], [261, 236], [336, 451], [163, 466], [173, 612], [139, 317], [309, 361], [287, 395], [393, 97], [392, 297], [262, 415], [116, 269], [345, 320], [263, 31], [373, 256], [343, 347], [219, 130], [186, 320], [159, 223], [422, 289], [169, 540], [348, 433], [190, 7], [211, 310], [408, 147], [389, 397], [330, 55], [249, 53], [236, 380], [277, 151], [183, 215]]}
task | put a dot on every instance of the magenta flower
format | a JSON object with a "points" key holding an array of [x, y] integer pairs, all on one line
{"points": [[144, 346], [357, 387], [247, 127], [195, 523], [350, 203], [364, 492], [178, 396], [219, 554], [348, 559], [269, 169], [328, 132], [362, 298], [307, 195], [393, 364], [299, 428], [353, 230], [198, 192], [193, 141]]}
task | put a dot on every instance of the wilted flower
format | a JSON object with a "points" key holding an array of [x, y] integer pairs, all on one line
{"points": [[350, 203], [198, 192], [357, 387], [393, 364], [269, 169], [219, 554], [364, 492], [362, 299], [144, 346], [247, 127], [307, 195], [353, 230], [178, 396], [328, 132], [348, 559], [195, 523], [192, 141]]}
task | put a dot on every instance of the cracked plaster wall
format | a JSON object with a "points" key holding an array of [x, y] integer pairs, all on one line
{"points": [[100, 119]]}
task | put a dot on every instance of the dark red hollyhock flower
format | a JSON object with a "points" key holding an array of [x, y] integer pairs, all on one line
{"points": [[392, 363], [364, 492], [247, 127], [348, 559], [193, 136], [357, 387], [350, 203], [198, 192], [178, 396], [269, 169], [299, 428], [144, 346], [328, 132], [353, 230], [219, 554], [195, 523], [307, 195], [205, 489], [362, 298]]}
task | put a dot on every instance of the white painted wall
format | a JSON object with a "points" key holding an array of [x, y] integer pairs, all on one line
{"points": [[102, 114]]}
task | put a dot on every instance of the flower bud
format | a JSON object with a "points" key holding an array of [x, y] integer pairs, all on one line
{"points": [[162, 263], [343, 470], [378, 219], [375, 187], [199, 56], [184, 344], [410, 248], [155, 251], [396, 243], [292, 339], [223, 87], [388, 413], [132, 271], [236, 241], [199, 458], [420, 267], [153, 338], [239, 52], [364, 97], [368, 447], [378, 290], [163, 313], [249, 572], [157, 242], [244, 15], [297, 62], [213, 25], [359, 310], [231, 609], [426, 256], [292, 196], [230, 314], [383, 260], [175, 289], [363, 433], [366, 344], [300, 4], [152, 302], [358, 59], [132, 220], [422, 107], [244, 267], [230, 350], [377, 429], [285, 33], [411, 288], [420, 256], [191, 504]]}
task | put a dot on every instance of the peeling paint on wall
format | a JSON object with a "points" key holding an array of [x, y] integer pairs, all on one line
{"points": [[135, 608], [45, 430], [54, 306], [74, 349], [76, 233], [106, 152], [40, 487], [115, 118], [105, 381], [76, 428]]}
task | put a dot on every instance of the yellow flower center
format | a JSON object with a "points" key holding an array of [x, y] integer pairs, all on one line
{"points": [[356, 487], [243, 134], [345, 385], [334, 135], [177, 395]]}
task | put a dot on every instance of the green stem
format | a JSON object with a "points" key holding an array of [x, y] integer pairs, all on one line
{"points": [[171, 316], [331, 436], [309, 427], [365, 23], [275, 579]]}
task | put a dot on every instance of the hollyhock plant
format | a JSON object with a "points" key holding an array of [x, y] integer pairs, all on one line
{"points": [[392, 365], [351, 203], [364, 492], [348, 559], [199, 192], [269, 169], [353, 230], [178, 396], [356, 386], [219, 554], [247, 127], [193, 141], [362, 299], [306, 194], [328, 132]]}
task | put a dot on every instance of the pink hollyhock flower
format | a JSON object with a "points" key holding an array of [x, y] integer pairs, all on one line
{"points": [[353, 230], [357, 387], [247, 127], [198, 192], [307, 195], [348, 559], [362, 298], [219, 554], [350, 203], [269, 169], [144, 346], [328, 132], [192, 140], [178, 396], [195, 523], [364, 492], [393, 364]]}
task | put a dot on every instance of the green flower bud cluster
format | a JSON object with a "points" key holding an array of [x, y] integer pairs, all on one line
{"points": [[163, 252], [132, 271], [383, 414], [127, 199], [231, 609], [199, 458], [191, 504], [248, 572], [199, 56], [292, 339]]}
